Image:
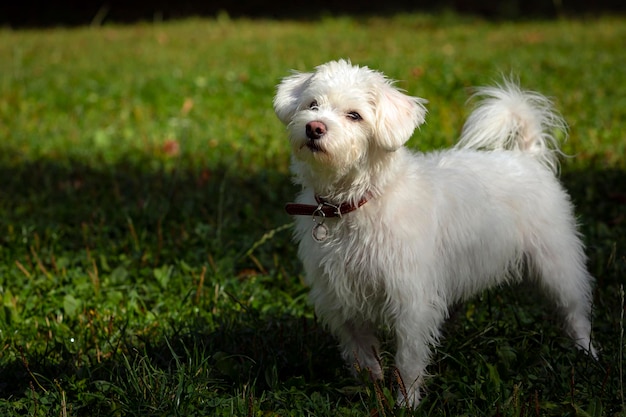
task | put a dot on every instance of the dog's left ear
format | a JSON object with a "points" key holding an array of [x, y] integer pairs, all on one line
{"points": [[288, 95], [397, 116]]}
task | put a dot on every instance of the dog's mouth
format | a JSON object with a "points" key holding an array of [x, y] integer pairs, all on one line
{"points": [[313, 145]]}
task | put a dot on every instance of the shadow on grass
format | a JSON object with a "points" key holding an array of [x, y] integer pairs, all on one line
{"points": [[168, 214], [243, 360], [149, 211], [138, 201], [142, 195], [268, 352]]}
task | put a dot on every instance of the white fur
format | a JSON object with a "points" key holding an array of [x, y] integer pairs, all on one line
{"points": [[438, 227]]}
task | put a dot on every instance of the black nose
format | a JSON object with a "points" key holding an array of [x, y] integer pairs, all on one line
{"points": [[315, 130]]}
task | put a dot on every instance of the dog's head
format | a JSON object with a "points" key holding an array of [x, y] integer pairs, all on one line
{"points": [[341, 115]]}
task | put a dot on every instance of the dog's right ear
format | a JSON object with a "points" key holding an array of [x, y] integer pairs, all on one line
{"points": [[288, 95]]}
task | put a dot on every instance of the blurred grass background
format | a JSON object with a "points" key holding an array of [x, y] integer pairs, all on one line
{"points": [[146, 266]]}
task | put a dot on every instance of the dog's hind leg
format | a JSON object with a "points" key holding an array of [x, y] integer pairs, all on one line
{"points": [[559, 263]]}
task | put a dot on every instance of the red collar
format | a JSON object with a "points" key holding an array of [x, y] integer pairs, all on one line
{"points": [[323, 208]]}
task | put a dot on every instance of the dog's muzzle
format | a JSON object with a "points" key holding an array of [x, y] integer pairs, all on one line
{"points": [[315, 130]]}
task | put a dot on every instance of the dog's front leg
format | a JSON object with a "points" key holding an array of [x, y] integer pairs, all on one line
{"points": [[416, 332], [360, 347]]}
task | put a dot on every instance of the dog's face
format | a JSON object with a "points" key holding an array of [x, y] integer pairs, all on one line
{"points": [[342, 115]]}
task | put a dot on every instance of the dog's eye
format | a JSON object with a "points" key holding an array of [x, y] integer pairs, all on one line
{"points": [[313, 105], [354, 116]]}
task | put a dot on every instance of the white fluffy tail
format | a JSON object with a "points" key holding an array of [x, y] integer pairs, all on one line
{"points": [[510, 118]]}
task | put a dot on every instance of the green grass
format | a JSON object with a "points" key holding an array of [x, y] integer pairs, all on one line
{"points": [[146, 266]]}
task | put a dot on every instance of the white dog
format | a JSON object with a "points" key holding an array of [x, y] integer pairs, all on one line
{"points": [[391, 237]]}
